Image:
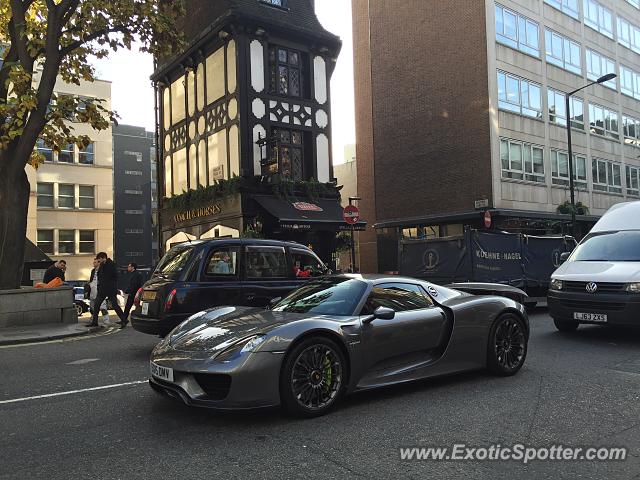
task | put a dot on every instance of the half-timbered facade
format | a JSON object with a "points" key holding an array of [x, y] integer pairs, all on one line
{"points": [[246, 104]]}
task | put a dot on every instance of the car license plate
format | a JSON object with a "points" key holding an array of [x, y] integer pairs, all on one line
{"points": [[148, 295], [590, 317], [163, 373], [145, 308]]}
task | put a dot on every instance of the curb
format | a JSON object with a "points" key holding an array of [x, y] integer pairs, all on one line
{"points": [[47, 338]]}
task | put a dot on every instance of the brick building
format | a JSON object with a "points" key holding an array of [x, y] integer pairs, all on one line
{"points": [[460, 109]]}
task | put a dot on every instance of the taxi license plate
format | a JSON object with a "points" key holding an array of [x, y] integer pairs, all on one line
{"points": [[163, 373], [145, 308], [148, 295], [590, 317]]}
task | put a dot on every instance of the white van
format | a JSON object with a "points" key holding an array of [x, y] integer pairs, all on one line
{"points": [[600, 281]]}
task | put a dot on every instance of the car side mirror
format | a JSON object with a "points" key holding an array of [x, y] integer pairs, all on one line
{"points": [[382, 313], [564, 256], [274, 301]]}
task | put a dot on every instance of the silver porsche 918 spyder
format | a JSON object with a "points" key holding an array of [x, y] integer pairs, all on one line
{"points": [[334, 336]]}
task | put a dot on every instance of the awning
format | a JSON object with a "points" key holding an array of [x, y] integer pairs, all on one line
{"points": [[306, 214]]}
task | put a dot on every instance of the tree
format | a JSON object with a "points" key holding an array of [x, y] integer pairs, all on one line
{"points": [[44, 40]]}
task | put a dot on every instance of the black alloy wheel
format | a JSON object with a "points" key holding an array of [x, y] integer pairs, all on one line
{"points": [[507, 347], [313, 377]]}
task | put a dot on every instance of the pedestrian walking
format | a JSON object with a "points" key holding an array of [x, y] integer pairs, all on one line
{"points": [[93, 293], [107, 289], [55, 271], [135, 283]]}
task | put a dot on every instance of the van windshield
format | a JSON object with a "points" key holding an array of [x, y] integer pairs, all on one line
{"points": [[623, 246], [173, 261]]}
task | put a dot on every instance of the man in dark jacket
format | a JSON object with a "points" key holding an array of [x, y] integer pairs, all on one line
{"points": [[135, 283], [107, 288], [55, 270]]}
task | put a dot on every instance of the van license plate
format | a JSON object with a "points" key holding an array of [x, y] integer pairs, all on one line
{"points": [[590, 317], [145, 308], [163, 373]]}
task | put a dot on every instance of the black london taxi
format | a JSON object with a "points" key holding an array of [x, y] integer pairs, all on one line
{"points": [[197, 275]]}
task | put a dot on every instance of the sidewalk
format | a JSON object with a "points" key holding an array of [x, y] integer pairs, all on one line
{"points": [[45, 332]]}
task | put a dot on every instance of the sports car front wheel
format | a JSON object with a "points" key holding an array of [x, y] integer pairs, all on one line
{"points": [[313, 377], [507, 347]]}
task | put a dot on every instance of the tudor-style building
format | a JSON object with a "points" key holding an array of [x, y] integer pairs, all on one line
{"points": [[245, 107]]}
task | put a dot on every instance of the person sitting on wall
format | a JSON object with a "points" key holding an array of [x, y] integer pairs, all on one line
{"points": [[55, 271]]}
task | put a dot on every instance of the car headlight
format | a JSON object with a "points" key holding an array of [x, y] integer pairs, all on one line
{"points": [[633, 287], [245, 345], [555, 284]]}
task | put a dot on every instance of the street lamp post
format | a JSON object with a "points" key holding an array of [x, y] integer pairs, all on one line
{"points": [[604, 78], [353, 243]]}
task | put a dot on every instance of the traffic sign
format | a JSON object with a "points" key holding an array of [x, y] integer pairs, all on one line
{"points": [[487, 219], [351, 214]]}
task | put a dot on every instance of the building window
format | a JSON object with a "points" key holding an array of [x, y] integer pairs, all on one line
{"points": [[603, 121], [560, 169], [87, 241], [628, 35], [519, 95], [86, 196], [86, 156], [557, 106], [606, 176], [598, 17], [633, 181], [133, 212], [66, 241], [136, 231], [66, 196], [44, 151], [599, 65], [45, 241], [629, 82], [631, 129], [137, 173], [45, 195], [635, 3], [569, 7], [66, 154], [287, 156], [286, 76], [562, 52], [517, 31], [522, 161]]}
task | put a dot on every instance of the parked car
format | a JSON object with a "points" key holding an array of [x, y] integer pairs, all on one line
{"points": [[82, 304], [599, 283], [197, 275], [337, 335]]}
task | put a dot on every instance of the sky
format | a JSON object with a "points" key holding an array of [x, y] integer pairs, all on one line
{"points": [[132, 94]]}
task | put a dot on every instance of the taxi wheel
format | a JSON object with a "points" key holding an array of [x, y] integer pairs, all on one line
{"points": [[566, 325]]}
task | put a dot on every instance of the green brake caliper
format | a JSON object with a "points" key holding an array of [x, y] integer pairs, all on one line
{"points": [[328, 374]]}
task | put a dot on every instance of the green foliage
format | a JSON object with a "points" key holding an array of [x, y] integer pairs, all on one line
{"points": [[251, 233], [343, 242], [51, 39], [203, 195], [566, 208]]}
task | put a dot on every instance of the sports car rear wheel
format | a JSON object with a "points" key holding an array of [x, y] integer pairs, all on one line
{"points": [[313, 376], [507, 345]]}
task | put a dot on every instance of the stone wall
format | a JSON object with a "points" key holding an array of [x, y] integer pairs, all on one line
{"points": [[35, 306]]}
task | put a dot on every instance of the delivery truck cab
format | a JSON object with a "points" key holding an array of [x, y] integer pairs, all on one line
{"points": [[599, 283]]}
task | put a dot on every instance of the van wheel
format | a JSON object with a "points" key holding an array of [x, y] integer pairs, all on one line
{"points": [[566, 325]]}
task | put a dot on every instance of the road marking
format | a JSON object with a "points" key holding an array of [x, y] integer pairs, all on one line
{"points": [[71, 392], [83, 361]]}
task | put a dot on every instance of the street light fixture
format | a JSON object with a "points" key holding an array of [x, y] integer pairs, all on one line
{"points": [[602, 79]]}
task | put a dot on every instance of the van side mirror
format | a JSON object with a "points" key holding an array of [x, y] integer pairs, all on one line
{"points": [[564, 256]]}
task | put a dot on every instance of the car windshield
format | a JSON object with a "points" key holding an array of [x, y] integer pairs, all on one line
{"points": [[173, 261], [328, 296], [622, 246]]}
